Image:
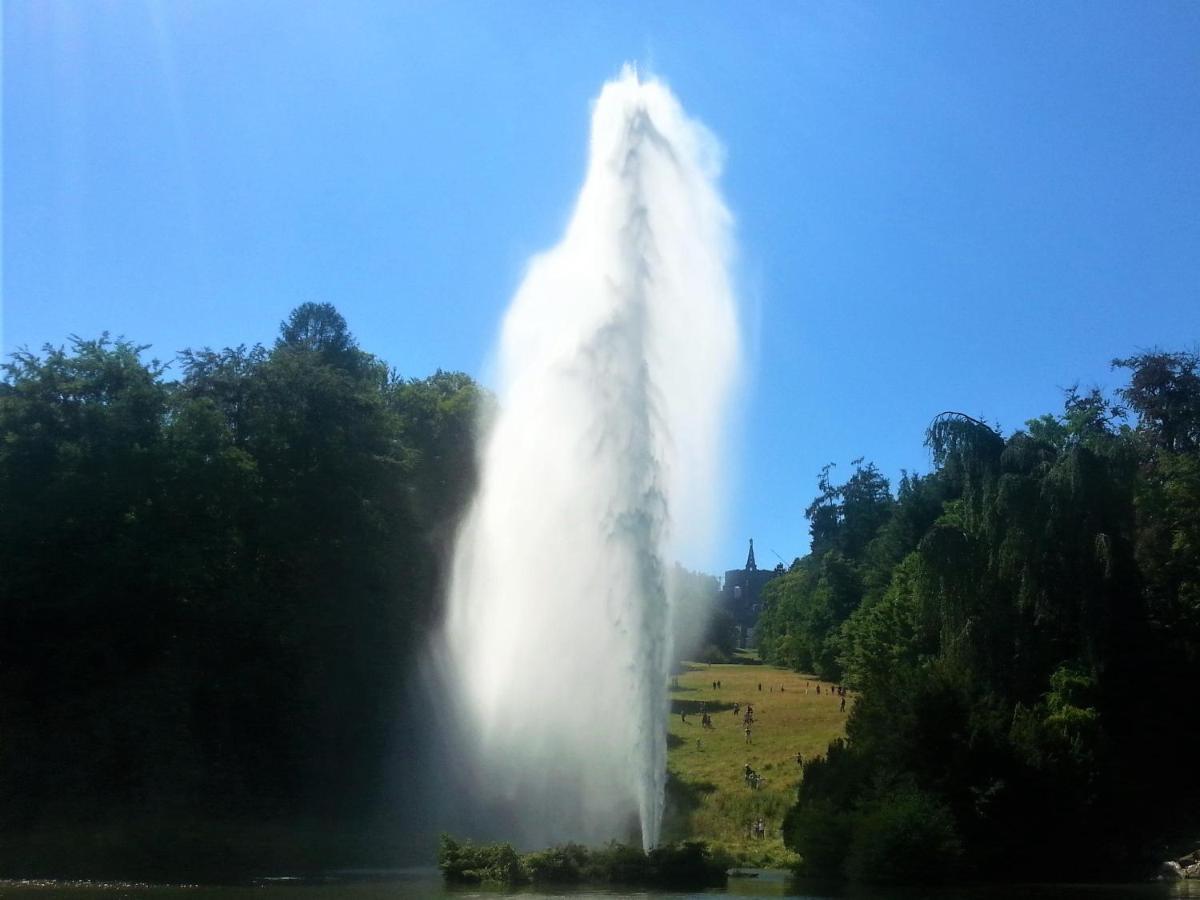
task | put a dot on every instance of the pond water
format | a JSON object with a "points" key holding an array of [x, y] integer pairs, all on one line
{"points": [[425, 884]]}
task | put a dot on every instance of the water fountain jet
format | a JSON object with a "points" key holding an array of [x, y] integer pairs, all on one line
{"points": [[614, 367]]}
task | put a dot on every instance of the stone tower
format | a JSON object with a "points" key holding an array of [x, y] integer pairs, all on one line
{"points": [[740, 595]]}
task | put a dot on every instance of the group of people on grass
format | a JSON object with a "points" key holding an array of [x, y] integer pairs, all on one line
{"points": [[757, 829], [834, 690], [753, 780], [747, 720], [705, 719], [838, 691]]}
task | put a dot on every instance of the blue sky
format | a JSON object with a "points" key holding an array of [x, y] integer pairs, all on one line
{"points": [[940, 205]]}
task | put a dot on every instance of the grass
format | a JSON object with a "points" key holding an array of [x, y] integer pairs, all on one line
{"points": [[707, 795]]}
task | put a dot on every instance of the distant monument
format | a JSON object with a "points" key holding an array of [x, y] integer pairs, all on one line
{"points": [[740, 595]]}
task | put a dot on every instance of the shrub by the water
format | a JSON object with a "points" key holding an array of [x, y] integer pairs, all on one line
{"points": [[690, 864], [905, 838], [480, 864], [618, 864], [557, 865], [685, 865], [820, 833]]}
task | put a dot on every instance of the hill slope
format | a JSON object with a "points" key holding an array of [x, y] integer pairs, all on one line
{"points": [[708, 797]]}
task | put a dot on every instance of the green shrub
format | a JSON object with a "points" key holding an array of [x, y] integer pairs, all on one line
{"points": [[906, 837], [617, 863], [690, 864], [713, 655], [686, 865], [557, 865], [819, 826], [820, 833], [482, 864]]}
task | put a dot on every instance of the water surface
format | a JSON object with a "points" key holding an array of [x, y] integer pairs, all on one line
{"points": [[425, 884]]}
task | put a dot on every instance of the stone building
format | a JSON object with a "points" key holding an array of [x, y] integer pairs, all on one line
{"points": [[740, 595]]}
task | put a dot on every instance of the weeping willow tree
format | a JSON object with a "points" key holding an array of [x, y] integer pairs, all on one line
{"points": [[1010, 671]]}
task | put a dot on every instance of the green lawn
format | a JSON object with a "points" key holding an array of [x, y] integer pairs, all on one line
{"points": [[707, 796]]}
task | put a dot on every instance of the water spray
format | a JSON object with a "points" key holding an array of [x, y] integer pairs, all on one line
{"points": [[614, 368]]}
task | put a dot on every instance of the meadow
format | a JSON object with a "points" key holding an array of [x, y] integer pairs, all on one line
{"points": [[708, 797]]}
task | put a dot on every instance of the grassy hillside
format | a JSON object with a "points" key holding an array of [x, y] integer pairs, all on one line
{"points": [[708, 797]]}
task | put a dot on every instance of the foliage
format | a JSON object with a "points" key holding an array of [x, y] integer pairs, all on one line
{"points": [[466, 863], [211, 587], [618, 863], [820, 826], [1164, 391], [804, 609], [213, 582], [1017, 625], [690, 864], [566, 864], [904, 837], [900, 836]]}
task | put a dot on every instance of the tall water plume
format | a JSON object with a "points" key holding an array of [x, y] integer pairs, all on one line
{"points": [[614, 366]]}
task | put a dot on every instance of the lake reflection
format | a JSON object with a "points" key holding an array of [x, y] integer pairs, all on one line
{"points": [[426, 884]]}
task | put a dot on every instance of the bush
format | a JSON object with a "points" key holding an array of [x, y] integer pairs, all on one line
{"points": [[686, 865], [712, 655], [618, 864], [906, 837], [690, 864], [820, 833], [557, 865], [819, 826], [483, 864]]}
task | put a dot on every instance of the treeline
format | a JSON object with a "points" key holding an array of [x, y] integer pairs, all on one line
{"points": [[213, 578], [1022, 630]]}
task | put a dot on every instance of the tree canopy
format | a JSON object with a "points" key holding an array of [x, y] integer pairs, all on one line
{"points": [[1021, 628], [214, 575]]}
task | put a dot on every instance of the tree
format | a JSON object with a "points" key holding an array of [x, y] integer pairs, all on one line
{"points": [[804, 608], [1017, 604], [1164, 391], [212, 589], [319, 328]]}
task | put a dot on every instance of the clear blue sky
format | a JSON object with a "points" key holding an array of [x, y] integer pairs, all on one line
{"points": [[940, 205]]}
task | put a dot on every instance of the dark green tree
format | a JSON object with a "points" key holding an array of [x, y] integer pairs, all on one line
{"points": [[1027, 626], [212, 589]]}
